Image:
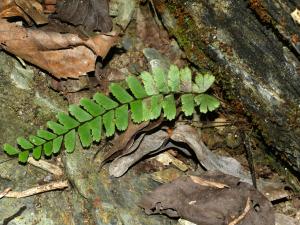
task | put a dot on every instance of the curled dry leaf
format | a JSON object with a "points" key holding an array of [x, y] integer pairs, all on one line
{"points": [[63, 55], [147, 145], [23, 8], [203, 202], [122, 145]]}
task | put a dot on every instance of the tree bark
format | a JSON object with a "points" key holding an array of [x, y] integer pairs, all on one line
{"points": [[256, 46]]}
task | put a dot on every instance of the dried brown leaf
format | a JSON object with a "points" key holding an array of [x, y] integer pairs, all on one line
{"points": [[33, 9], [8, 8], [239, 204], [122, 143], [63, 55], [92, 14], [23, 8]]}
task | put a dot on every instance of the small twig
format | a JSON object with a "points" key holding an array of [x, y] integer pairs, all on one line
{"points": [[155, 13], [207, 183], [56, 170], [37, 190], [242, 216], [2, 194], [18, 213]]}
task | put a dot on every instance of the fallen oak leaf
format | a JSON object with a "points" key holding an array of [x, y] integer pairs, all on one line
{"points": [[23, 8], [34, 10], [8, 8], [62, 55]]}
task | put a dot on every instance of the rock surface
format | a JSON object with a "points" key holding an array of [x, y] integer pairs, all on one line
{"points": [[255, 58]]}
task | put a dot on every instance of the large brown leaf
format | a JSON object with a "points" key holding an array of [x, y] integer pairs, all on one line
{"points": [[63, 55]]}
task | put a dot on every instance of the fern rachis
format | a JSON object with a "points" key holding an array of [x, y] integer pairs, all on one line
{"points": [[144, 99]]}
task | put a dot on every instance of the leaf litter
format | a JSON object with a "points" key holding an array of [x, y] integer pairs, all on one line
{"points": [[62, 54]]}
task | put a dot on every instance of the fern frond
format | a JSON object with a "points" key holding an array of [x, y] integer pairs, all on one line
{"points": [[144, 99], [161, 80], [174, 78], [149, 83], [85, 135], [96, 128], [122, 117], [56, 145], [109, 123], [187, 101], [136, 87], [70, 141], [37, 152], [186, 80]]}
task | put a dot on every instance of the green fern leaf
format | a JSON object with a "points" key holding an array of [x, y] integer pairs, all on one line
{"points": [[204, 82], [56, 128], [120, 93], [174, 79], [80, 114], [149, 83], [207, 102], [137, 111], [23, 156], [67, 121], [160, 80], [109, 123], [24, 143], [96, 128], [146, 101], [10, 150], [122, 117], [46, 135], [187, 102], [36, 140], [37, 152], [57, 144], [146, 109], [48, 148], [91, 107], [70, 141], [136, 87], [156, 106], [169, 107], [186, 79], [85, 135], [105, 101]]}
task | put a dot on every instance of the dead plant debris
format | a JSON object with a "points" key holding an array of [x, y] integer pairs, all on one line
{"points": [[63, 55], [234, 202]]}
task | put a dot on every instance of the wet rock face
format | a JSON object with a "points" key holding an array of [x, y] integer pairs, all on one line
{"points": [[258, 62], [26, 103]]}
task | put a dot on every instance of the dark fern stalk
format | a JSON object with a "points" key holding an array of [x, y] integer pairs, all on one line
{"points": [[145, 98]]}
